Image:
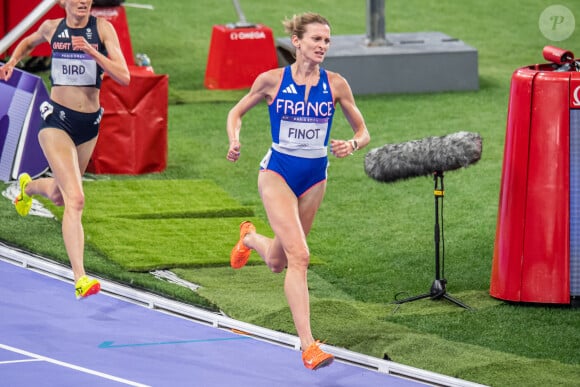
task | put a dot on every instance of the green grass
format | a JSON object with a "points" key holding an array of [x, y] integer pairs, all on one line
{"points": [[374, 240], [144, 225]]}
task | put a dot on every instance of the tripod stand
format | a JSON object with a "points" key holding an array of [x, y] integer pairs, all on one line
{"points": [[437, 290]]}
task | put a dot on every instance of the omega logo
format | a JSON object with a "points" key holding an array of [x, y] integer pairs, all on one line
{"points": [[247, 35]]}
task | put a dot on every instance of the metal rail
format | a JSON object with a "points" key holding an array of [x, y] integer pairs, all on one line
{"points": [[25, 24]]}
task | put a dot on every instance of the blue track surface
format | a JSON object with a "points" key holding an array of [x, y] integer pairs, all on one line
{"points": [[48, 338]]}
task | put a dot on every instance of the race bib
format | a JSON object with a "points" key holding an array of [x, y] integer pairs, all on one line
{"points": [[73, 69], [303, 132]]}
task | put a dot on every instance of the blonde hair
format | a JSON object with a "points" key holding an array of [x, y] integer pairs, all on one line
{"points": [[297, 24]]}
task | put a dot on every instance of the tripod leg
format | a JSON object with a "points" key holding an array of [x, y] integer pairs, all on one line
{"points": [[414, 298], [456, 301]]}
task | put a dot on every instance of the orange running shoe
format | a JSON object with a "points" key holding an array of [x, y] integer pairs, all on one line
{"points": [[240, 253], [315, 358]]}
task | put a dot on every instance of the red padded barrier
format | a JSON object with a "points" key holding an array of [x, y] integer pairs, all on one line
{"points": [[509, 240], [238, 55], [133, 134], [531, 252], [3, 30], [545, 274]]}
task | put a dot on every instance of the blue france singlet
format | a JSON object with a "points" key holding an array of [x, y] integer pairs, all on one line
{"points": [[300, 133], [72, 67], [302, 128]]}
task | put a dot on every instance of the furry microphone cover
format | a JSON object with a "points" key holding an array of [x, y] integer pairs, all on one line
{"points": [[393, 162]]}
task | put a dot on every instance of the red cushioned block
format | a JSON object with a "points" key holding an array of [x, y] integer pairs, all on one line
{"points": [[238, 55], [133, 135]]}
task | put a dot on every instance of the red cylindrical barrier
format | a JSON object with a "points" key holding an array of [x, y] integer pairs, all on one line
{"points": [[532, 252]]}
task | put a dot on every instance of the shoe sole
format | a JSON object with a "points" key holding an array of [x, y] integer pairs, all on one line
{"points": [[238, 263], [22, 208], [91, 291], [240, 248], [324, 363]]}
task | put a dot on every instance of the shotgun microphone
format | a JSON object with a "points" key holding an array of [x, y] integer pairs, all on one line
{"points": [[393, 162]]}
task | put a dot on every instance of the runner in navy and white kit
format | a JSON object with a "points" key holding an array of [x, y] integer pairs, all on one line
{"points": [[83, 48], [301, 99]]}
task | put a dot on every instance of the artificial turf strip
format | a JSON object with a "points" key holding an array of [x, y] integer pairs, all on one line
{"points": [[158, 198], [146, 199], [144, 245], [145, 225], [155, 224], [151, 244]]}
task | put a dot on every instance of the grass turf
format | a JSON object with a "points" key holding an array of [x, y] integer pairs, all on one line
{"points": [[145, 225], [375, 239]]}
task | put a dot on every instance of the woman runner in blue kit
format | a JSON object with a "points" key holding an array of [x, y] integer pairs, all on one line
{"points": [[83, 47], [301, 100]]}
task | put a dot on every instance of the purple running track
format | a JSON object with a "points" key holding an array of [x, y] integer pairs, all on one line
{"points": [[49, 338]]}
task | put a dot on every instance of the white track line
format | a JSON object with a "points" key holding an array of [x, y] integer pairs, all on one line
{"points": [[72, 366]]}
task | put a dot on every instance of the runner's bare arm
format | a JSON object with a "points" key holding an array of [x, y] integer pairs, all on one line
{"points": [[114, 65], [26, 45]]}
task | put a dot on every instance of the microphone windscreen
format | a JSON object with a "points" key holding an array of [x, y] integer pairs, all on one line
{"points": [[393, 162]]}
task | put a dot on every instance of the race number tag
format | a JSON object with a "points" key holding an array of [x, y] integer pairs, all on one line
{"points": [[74, 69], [303, 132]]}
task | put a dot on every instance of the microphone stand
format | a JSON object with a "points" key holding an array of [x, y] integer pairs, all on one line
{"points": [[437, 290]]}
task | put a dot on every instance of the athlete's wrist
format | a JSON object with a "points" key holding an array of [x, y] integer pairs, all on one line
{"points": [[354, 145]]}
